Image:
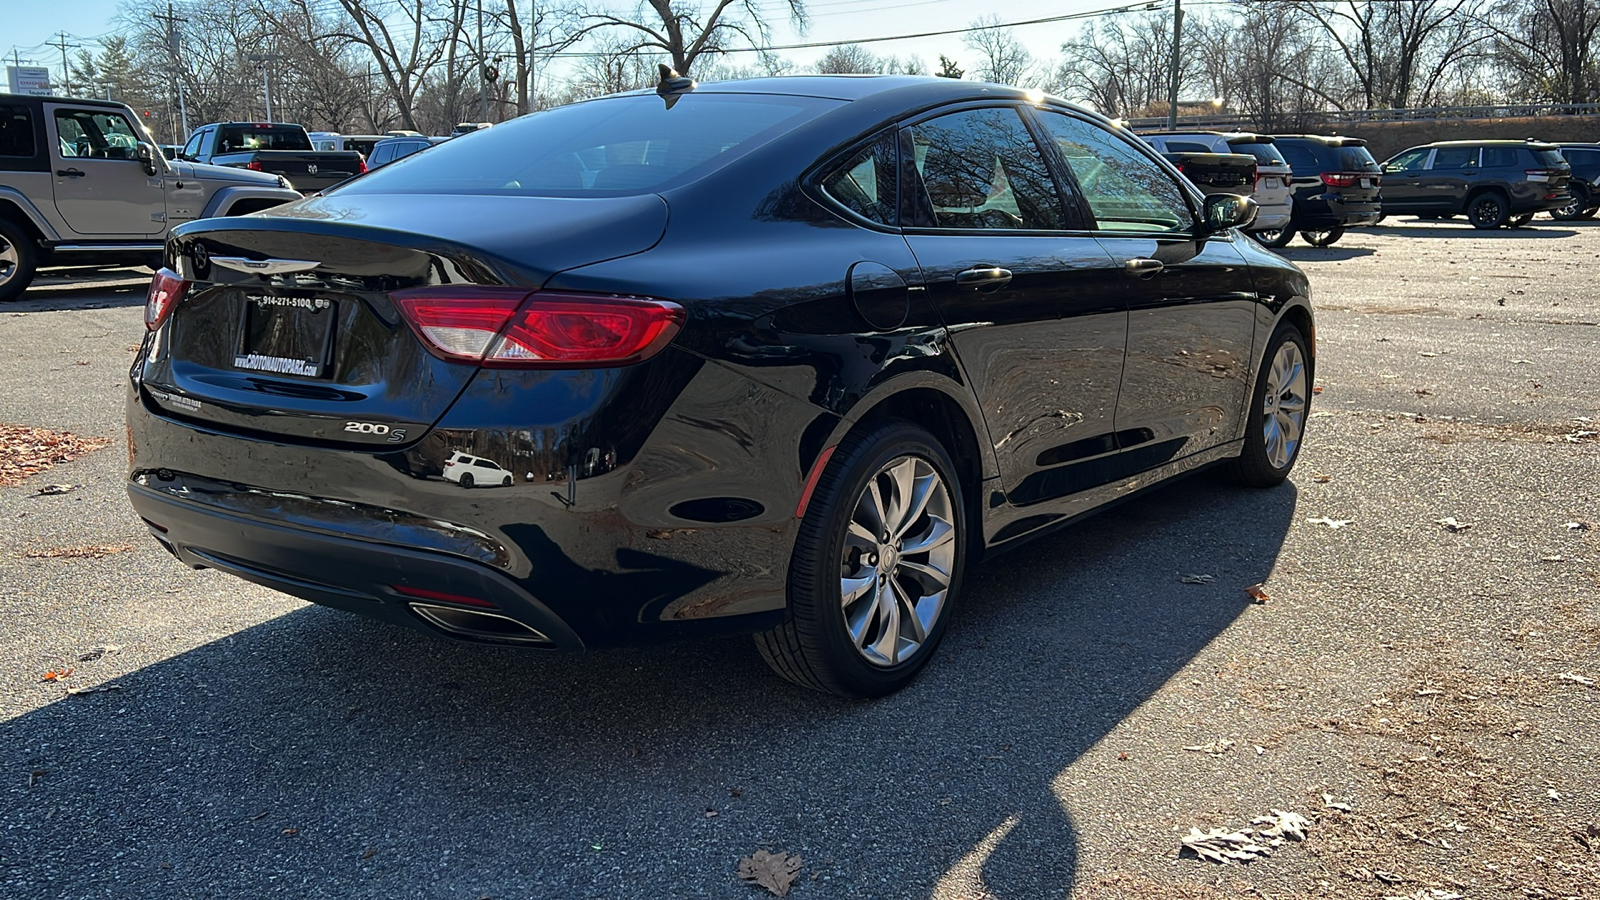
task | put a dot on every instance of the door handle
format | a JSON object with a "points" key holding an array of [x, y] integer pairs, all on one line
{"points": [[69, 173], [1142, 267], [985, 278]]}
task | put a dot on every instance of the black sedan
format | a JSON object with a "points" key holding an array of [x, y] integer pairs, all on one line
{"points": [[778, 356]]}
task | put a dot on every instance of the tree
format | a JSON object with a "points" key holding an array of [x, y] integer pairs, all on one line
{"points": [[949, 69], [405, 40], [1399, 53], [1547, 48], [849, 59], [684, 30], [1003, 59], [1120, 66]]}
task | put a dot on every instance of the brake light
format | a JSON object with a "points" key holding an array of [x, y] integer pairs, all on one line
{"points": [[363, 164], [166, 290], [503, 327], [254, 165], [1340, 179], [1541, 174]]}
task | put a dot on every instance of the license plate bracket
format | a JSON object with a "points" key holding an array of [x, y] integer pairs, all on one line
{"points": [[286, 334]]}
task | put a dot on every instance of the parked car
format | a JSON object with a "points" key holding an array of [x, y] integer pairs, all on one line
{"points": [[840, 338], [1585, 184], [269, 147], [1217, 173], [171, 151], [469, 471], [332, 140], [390, 149], [1493, 183], [82, 183], [1336, 186], [1271, 189]]}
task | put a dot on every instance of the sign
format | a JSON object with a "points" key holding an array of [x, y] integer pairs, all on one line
{"points": [[31, 80]]}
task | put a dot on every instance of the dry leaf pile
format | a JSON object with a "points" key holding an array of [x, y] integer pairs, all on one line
{"points": [[774, 871], [26, 451]]}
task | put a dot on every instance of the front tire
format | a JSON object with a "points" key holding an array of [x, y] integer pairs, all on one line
{"points": [[1276, 238], [19, 259], [1279, 407], [876, 566], [1323, 237], [1488, 210]]}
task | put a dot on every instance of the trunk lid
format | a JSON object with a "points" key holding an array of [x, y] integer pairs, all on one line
{"points": [[288, 327]]}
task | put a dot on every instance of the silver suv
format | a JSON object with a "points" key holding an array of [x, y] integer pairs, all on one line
{"points": [[82, 183], [1273, 195]]}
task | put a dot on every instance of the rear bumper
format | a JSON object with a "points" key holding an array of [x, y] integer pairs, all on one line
{"points": [[356, 576], [1330, 210]]}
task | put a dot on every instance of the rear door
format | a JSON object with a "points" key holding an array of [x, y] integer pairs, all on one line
{"points": [[101, 187], [1191, 323], [1032, 307]]}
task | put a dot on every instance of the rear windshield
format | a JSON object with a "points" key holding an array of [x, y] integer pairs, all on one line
{"points": [[602, 148], [1265, 154], [1356, 159], [1549, 157], [237, 138]]}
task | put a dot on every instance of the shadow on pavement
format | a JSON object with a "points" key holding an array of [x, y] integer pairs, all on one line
{"points": [[1324, 254], [319, 754], [56, 291], [1538, 229]]}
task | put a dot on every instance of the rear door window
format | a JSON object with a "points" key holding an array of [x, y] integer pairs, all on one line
{"points": [[981, 169], [1449, 159], [16, 131], [1301, 158]]}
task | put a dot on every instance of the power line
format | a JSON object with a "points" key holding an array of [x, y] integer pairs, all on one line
{"points": [[66, 73]]}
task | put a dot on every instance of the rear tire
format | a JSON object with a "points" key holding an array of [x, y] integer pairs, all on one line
{"points": [[876, 567], [1323, 237], [19, 259], [1279, 408], [1488, 210], [466, 480], [1576, 208], [1276, 238]]}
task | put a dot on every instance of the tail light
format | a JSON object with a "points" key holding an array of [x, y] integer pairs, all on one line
{"points": [[166, 290], [363, 164], [1541, 174], [254, 165], [514, 328], [1340, 179]]}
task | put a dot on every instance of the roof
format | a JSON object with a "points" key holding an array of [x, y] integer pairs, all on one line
{"points": [[859, 87], [1493, 142], [78, 101]]}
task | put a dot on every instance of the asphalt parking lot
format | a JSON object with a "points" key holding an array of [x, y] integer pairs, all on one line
{"points": [[1427, 695]]}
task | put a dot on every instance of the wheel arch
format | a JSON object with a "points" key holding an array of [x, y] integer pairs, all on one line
{"points": [[16, 209]]}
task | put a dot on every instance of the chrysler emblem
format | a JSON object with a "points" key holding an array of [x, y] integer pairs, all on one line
{"points": [[265, 266], [311, 169]]}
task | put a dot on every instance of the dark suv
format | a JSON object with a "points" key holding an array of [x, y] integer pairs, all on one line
{"points": [[1585, 184], [1493, 182], [1335, 183]]}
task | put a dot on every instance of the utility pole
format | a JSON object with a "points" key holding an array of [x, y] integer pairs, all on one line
{"points": [[264, 62], [66, 73], [177, 72], [1177, 48]]}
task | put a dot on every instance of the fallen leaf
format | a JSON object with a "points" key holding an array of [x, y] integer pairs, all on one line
{"points": [[1329, 803], [258, 817], [1427, 894], [774, 871], [26, 451], [1317, 389], [1322, 479], [711, 813], [1123, 755], [1588, 838], [1335, 524], [1576, 679], [1553, 558], [1578, 526], [1282, 824], [369, 852], [1258, 593], [1223, 846], [83, 551], [1428, 354], [51, 490], [56, 674], [94, 653], [1451, 525], [1198, 579], [1214, 748], [291, 831]]}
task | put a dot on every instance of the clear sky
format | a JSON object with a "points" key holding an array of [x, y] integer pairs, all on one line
{"points": [[27, 25]]}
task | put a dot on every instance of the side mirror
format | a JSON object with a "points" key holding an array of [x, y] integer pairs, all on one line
{"points": [[146, 155], [1225, 211]]}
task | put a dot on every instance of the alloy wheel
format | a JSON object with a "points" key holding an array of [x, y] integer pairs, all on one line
{"points": [[8, 260], [1283, 407], [899, 557]]}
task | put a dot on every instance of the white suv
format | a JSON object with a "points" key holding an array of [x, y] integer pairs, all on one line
{"points": [[1273, 194], [475, 471]]}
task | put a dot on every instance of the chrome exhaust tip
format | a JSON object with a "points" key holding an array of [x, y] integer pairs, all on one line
{"points": [[482, 626]]}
